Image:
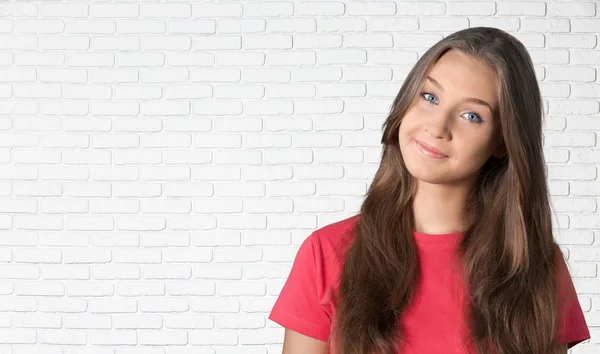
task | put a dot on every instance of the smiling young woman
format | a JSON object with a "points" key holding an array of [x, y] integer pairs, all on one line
{"points": [[453, 250]]}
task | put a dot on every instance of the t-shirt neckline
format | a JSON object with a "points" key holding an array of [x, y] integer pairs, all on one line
{"points": [[445, 238]]}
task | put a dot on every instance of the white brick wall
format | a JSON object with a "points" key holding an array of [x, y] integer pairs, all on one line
{"points": [[161, 161]]}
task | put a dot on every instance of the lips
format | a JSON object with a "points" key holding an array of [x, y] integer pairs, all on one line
{"points": [[430, 149]]}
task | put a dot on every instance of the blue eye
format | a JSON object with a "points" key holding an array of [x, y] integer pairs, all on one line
{"points": [[477, 118], [425, 93]]}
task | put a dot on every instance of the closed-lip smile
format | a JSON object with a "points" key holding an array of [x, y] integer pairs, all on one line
{"points": [[430, 149]]}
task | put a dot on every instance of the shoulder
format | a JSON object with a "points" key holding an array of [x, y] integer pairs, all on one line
{"points": [[335, 236]]}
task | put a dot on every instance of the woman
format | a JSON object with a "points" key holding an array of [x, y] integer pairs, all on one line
{"points": [[453, 250]]}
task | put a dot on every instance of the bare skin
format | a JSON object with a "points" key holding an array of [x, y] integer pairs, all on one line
{"points": [[468, 133]]}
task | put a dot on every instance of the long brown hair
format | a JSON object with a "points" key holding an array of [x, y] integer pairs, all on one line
{"points": [[508, 253]]}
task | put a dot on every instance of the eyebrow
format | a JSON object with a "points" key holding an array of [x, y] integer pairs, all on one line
{"points": [[467, 99]]}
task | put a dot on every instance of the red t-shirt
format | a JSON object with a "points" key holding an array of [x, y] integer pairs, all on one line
{"points": [[433, 322]]}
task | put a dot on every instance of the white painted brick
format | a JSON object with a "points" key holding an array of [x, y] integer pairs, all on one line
{"points": [[445, 24], [109, 10], [64, 10], [316, 205], [264, 173], [315, 106], [187, 156], [584, 221], [557, 73], [166, 271], [216, 238], [277, 205], [573, 139], [164, 75], [291, 58], [107, 206], [124, 157], [508, 24], [341, 188], [416, 40], [318, 172], [166, 206], [37, 58], [215, 140], [285, 189], [586, 90], [325, 24], [303, 140], [192, 58], [126, 26], [371, 8], [19, 10], [187, 91], [175, 10], [224, 91], [87, 26], [57, 42], [298, 25], [217, 42], [213, 205], [171, 43], [261, 75], [36, 156], [574, 205], [269, 41], [18, 74], [239, 189], [113, 337], [462, 8], [19, 42], [86, 321], [87, 92], [265, 238], [140, 223], [112, 272], [64, 173], [241, 25], [191, 26], [6, 26], [572, 10], [50, 26], [191, 223], [217, 10], [585, 25], [104, 75], [521, 9], [162, 337], [136, 189], [558, 107], [295, 156], [114, 108], [317, 41], [545, 25], [571, 41], [209, 173], [63, 206], [96, 157], [134, 59]]}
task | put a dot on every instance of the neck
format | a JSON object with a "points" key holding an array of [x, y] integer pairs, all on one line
{"points": [[439, 209]]}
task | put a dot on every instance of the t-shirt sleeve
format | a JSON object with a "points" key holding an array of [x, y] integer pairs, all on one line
{"points": [[573, 328], [299, 305]]}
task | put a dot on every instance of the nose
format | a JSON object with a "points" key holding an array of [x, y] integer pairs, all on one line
{"points": [[438, 126]]}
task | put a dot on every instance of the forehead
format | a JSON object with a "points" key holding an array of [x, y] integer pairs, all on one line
{"points": [[462, 76]]}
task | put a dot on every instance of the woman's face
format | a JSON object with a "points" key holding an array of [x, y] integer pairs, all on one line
{"points": [[443, 117]]}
